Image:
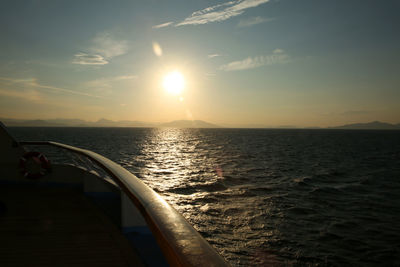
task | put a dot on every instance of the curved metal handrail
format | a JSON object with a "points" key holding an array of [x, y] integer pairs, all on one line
{"points": [[181, 244]]}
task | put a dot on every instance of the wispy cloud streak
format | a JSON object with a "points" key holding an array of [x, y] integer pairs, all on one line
{"points": [[33, 83], [162, 25], [278, 57], [106, 45], [253, 21], [213, 55], [106, 82], [220, 12], [86, 59], [30, 95], [104, 48]]}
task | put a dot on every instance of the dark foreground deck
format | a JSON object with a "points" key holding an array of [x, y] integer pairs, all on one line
{"points": [[58, 226]]}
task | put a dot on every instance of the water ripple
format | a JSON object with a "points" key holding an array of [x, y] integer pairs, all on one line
{"points": [[268, 197]]}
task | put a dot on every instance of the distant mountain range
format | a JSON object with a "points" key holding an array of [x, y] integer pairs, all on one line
{"points": [[189, 124], [105, 123], [377, 125], [374, 125]]}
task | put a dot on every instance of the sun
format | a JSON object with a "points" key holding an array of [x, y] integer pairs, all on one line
{"points": [[174, 82]]}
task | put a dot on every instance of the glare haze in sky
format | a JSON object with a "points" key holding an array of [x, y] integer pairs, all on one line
{"points": [[245, 63]]}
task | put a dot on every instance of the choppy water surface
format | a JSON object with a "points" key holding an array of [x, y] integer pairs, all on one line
{"points": [[267, 197]]}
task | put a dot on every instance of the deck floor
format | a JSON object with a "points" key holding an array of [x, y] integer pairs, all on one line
{"points": [[58, 226]]}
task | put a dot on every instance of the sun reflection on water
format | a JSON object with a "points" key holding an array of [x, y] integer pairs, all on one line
{"points": [[265, 197], [179, 159], [198, 176]]}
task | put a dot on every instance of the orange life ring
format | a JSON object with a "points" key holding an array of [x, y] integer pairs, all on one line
{"points": [[34, 165]]}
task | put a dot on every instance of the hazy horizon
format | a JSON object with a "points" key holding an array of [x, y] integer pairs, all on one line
{"points": [[75, 122], [237, 63]]}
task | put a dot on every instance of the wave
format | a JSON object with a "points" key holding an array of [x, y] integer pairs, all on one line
{"points": [[189, 189]]}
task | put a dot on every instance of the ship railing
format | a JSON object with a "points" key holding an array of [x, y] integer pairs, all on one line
{"points": [[180, 243]]}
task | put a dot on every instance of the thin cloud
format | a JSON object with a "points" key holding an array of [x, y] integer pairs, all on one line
{"points": [[107, 82], [104, 48], [86, 59], [209, 74], [220, 12], [162, 25], [252, 21], [107, 46], [30, 95], [355, 112], [213, 55], [125, 77], [33, 83], [255, 62]]}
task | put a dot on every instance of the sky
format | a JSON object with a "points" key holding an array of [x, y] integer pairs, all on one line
{"points": [[244, 63]]}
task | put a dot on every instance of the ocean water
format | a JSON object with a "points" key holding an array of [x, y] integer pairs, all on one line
{"points": [[267, 197]]}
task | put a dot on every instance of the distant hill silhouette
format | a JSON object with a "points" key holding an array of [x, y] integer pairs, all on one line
{"points": [[189, 124], [104, 123], [60, 122], [109, 123], [30, 123], [374, 125]]}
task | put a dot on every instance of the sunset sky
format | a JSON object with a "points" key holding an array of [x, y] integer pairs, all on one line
{"points": [[237, 63]]}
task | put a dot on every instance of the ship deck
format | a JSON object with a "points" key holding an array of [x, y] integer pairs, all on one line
{"points": [[58, 226]]}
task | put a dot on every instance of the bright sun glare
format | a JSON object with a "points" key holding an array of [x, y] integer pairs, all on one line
{"points": [[174, 83]]}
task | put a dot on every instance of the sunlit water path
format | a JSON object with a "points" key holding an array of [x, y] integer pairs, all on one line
{"points": [[284, 197]]}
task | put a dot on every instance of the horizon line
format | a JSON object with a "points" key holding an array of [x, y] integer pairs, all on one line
{"points": [[11, 122]]}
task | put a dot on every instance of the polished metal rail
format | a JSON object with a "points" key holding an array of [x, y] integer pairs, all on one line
{"points": [[180, 243]]}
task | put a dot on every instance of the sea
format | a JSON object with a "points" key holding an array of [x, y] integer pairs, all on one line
{"points": [[267, 197]]}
